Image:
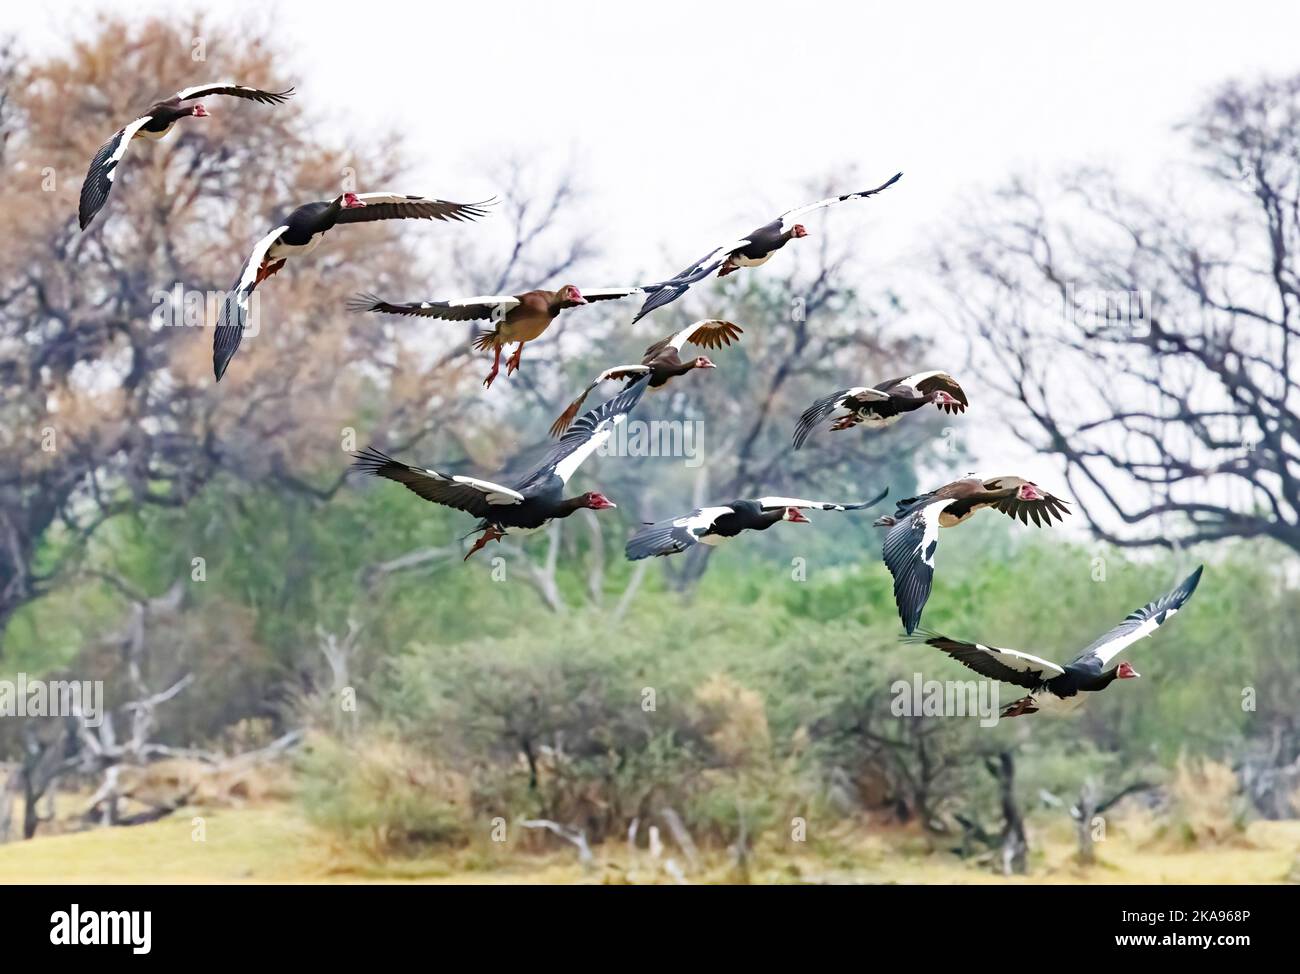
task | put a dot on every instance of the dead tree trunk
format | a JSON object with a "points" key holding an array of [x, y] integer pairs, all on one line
{"points": [[1014, 849], [1088, 813]]}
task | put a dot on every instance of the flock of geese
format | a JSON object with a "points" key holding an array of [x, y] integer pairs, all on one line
{"points": [[532, 501]]}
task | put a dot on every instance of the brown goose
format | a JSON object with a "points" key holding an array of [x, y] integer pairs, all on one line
{"points": [[517, 317], [661, 361], [914, 529], [155, 124]]}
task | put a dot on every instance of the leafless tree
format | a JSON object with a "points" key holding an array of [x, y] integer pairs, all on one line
{"points": [[1151, 342]]}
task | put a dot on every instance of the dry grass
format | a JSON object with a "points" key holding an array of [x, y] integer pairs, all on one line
{"points": [[272, 843]]}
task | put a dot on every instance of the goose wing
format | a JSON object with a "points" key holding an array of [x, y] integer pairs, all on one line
{"points": [[103, 170], [1141, 622], [234, 310], [477, 497], [909, 555], [673, 535], [1008, 665]]}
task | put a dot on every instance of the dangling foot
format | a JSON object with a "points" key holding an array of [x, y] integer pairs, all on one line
{"points": [[512, 364], [727, 268], [491, 534], [845, 422], [496, 368], [1025, 705], [267, 269]]}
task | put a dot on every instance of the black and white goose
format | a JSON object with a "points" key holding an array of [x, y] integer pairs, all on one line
{"points": [[914, 527], [714, 525], [301, 232], [751, 250], [533, 500], [153, 125], [1057, 689], [883, 404]]}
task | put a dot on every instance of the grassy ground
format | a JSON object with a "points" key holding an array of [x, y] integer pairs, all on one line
{"points": [[273, 844]]}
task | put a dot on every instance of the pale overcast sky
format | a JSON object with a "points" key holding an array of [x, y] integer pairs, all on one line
{"points": [[691, 122]]}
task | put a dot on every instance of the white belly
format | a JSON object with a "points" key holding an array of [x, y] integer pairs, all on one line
{"points": [[279, 249], [713, 539], [1054, 706], [741, 260], [876, 421]]}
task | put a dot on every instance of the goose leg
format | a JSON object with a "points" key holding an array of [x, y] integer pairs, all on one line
{"points": [[512, 363], [491, 534], [268, 268], [496, 368], [846, 422]]}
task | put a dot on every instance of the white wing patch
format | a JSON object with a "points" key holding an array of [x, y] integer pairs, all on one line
{"points": [[569, 465], [495, 493], [1021, 662], [506, 301], [697, 522], [608, 373], [912, 380], [185, 94], [929, 516], [768, 503], [128, 133], [1108, 651], [248, 275]]}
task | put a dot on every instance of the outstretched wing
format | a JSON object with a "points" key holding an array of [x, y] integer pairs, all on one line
{"points": [[581, 439], [396, 206], [477, 497], [1008, 665], [618, 372], [1042, 511], [927, 382], [234, 310], [237, 91], [822, 408], [790, 217], [103, 170], [909, 555], [772, 503], [1142, 622], [666, 292], [461, 309], [709, 333], [674, 535]]}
